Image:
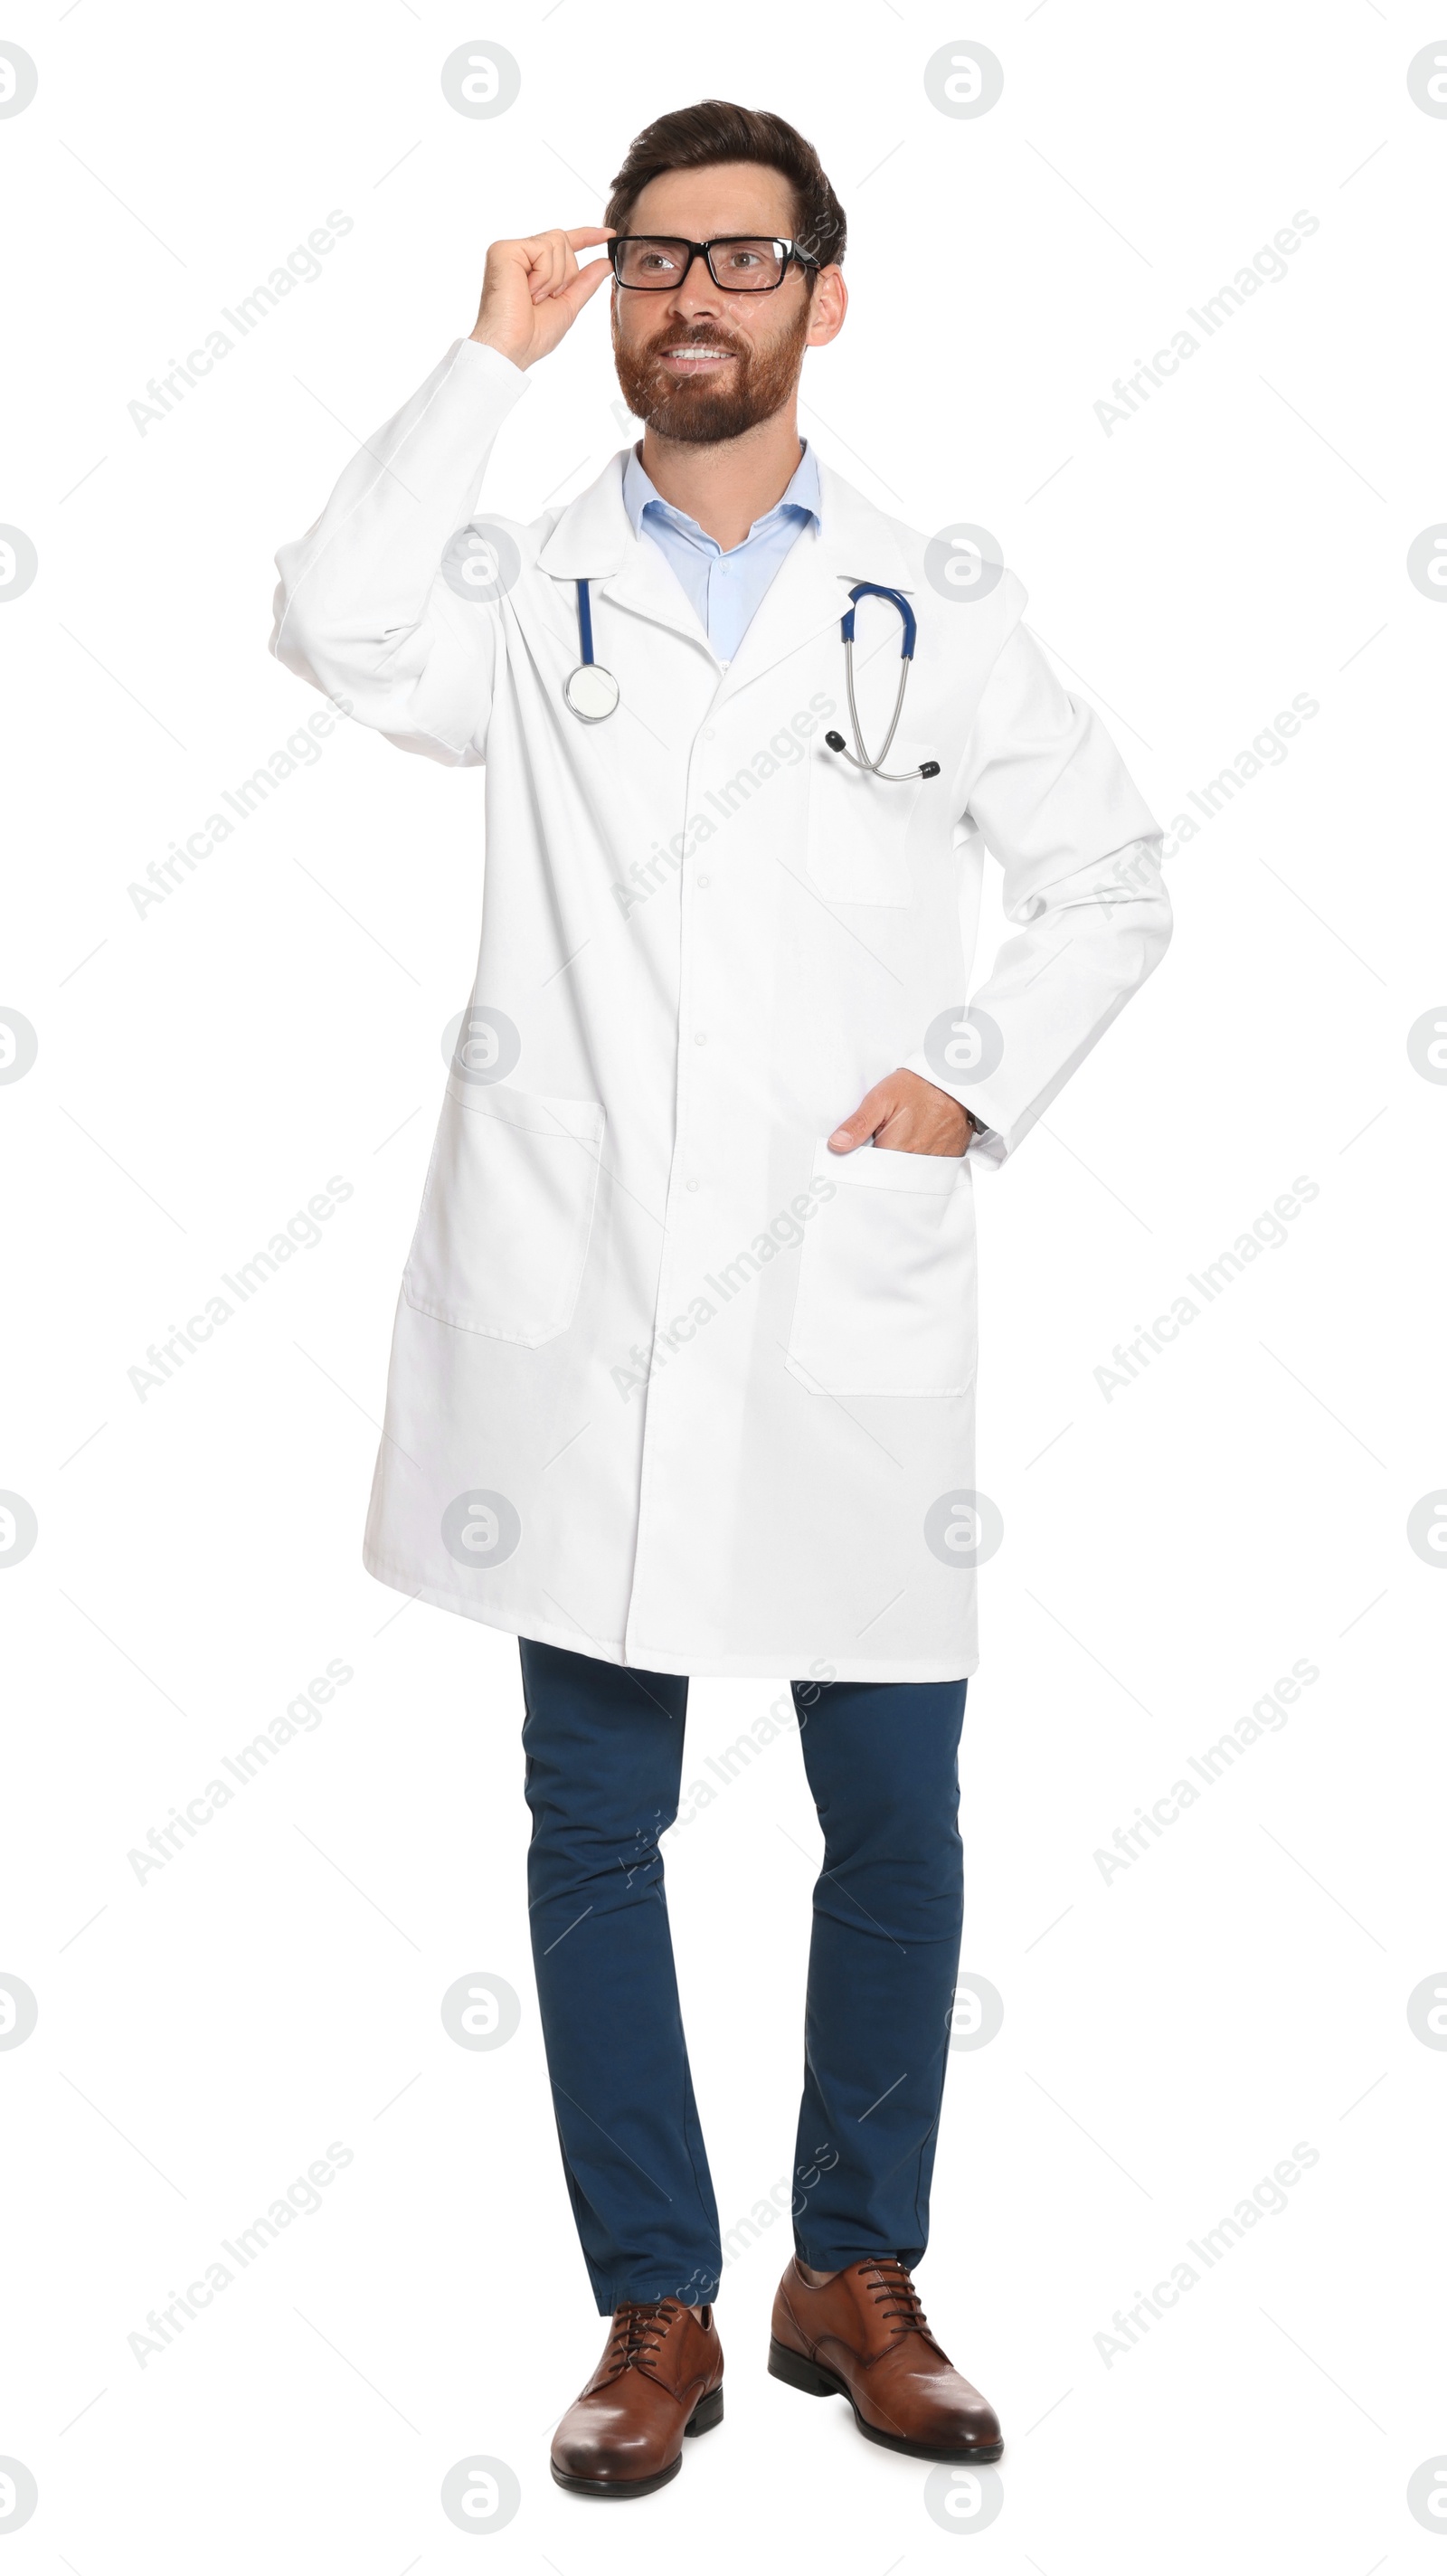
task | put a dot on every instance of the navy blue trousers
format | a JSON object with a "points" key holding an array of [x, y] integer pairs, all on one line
{"points": [[604, 1749]]}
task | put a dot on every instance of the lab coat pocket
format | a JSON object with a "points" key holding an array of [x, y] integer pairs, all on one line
{"points": [[859, 828], [885, 1303], [507, 1211]]}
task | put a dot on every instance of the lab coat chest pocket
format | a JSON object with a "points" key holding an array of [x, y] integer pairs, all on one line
{"points": [[885, 1303], [507, 1211], [859, 828]]}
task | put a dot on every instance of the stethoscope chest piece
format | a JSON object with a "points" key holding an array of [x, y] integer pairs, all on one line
{"points": [[591, 692]]}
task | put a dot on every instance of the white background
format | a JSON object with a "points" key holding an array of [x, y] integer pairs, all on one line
{"points": [[204, 1068]]}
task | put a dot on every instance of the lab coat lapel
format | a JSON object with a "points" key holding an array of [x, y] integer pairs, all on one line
{"points": [[594, 541], [646, 583], [851, 542]]}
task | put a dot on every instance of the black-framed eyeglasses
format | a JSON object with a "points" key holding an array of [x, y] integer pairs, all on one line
{"points": [[738, 263]]}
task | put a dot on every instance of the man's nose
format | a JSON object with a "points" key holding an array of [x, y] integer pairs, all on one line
{"points": [[695, 294]]}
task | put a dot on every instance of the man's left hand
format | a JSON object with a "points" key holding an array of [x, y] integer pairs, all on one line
{"points": [[909, 1116]]}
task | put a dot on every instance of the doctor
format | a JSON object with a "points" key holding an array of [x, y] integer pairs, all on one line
{"points": [[683, 1367]]}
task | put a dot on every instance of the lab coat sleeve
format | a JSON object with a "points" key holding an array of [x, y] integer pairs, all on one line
{"points": [[1047, 789], [363, 610]]}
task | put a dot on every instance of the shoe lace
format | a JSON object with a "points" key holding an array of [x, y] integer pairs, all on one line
{"points": [[639, 2329], [894, 2294]]}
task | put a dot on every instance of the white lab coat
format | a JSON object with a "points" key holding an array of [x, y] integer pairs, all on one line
{"points": [[671, 1384]]}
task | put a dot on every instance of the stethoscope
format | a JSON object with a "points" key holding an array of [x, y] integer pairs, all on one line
{"points": [[593, 693], [836, 742]]}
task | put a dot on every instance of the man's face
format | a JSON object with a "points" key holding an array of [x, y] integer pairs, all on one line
{"points": [[700, 365]]}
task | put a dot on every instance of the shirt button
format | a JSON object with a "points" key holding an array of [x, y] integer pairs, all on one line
{"points": [[708, 733], [700, 1037], [693, 1185], [703, 881]]}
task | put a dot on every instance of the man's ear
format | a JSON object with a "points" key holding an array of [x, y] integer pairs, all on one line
{"points": [[830, 303]]}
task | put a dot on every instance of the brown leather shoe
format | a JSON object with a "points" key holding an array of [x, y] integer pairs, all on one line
{"points": [[864, 2337], [661, 2377]]}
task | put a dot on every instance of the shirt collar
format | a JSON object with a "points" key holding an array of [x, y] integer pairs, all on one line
{"points": [[801, 496]]}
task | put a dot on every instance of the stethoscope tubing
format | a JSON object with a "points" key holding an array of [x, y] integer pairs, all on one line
{"points": [[859, 758], [876, 766], [590, 692], [585, 621]]}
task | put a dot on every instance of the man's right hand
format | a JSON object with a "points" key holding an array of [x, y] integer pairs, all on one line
{"points": [[533, 291]]}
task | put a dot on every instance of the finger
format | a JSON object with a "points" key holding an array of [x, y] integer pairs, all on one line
{"points": [[565, 267], [548, 257], [587, 282], [541, 250], [549, 266], [531, 255], [871, 1113]]}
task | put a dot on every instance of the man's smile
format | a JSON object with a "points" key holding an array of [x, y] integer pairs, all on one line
{"points": [[694, 357]]}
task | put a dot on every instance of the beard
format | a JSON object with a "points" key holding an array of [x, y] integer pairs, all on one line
{"points": [[695, 410]]}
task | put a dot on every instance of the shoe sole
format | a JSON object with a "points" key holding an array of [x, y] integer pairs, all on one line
{"points": [[707, 2413], [815, 2381]]}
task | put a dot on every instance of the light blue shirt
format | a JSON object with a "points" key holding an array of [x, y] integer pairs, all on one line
{"points": [[724, 588]]}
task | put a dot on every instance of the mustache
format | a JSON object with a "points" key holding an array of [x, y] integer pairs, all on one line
{"points": [[704, 339]]}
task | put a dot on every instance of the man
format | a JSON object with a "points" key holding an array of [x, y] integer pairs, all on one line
{"points": [[683, 1364]]}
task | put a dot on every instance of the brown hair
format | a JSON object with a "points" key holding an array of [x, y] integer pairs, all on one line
{"points": [[700, 137]]}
